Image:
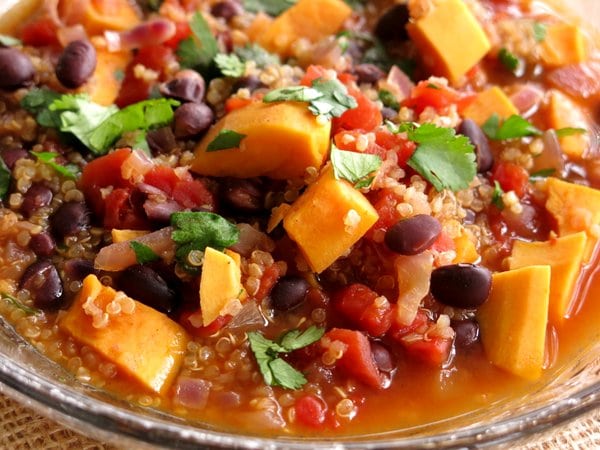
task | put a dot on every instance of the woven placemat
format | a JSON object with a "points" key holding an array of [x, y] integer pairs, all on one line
{"points": [[23, 429]]}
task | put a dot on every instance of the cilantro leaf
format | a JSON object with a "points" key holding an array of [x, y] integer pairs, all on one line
{"points": [[355, 4], [271, 7], [276, 371], [539, 31], [292, 94], [254, 52], [70, 171], [143, 253], [569, 131], [512, 128], [353, 166], [388, 99], [9, 41], [37, 102], [497, 196], [4, 179], [226, 139], [543, 173], [198, 230], [443, 158], [508, 60], [230, 65], [17, 304], [199, 50]]}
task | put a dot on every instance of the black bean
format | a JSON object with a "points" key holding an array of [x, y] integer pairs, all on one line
{"points": [[413, 235], [10, 155], [383, 358], [467, 332], [243, 195], [461, 285], [391, 26], [79, 268], [69, 219], [226, 9], [187, 86], [192, 119], [36, 197], [251, 82], [16, 69], [388, 113], [161, 140], [145, 285], [289, 293], [42, 281], [485, 159], [368, 73], [76, 64], [42, 244]]}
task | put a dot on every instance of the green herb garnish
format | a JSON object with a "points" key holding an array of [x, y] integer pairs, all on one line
{"points": [[542, 173], [443, 158], [512, 128], [37, 102], [271, 7], [388, 99], [254, 52], [143, 253], [70, 171], [230, 65], [354, 167], [199, 50], [497, 196], [569, 131], [508, 60], [17, 304], [226, 139], [4, 179], [198, 230], [9, 41], [275, 371], [539, 31]]}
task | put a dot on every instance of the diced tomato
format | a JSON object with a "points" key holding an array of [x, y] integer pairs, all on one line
{"points": [[121, 213], [398, 331], [155, 57], [182, 31], [366, 116], [438, 97], [388, 140], [40, 32], [359, 304], [233, 103], [310, 411], [187, 319], [443, 243], [357, 361], [511, 177], [384, 201], [312, 73], [347, 78], [163, 178], [267, 281], [101, 173], [193, 194]]}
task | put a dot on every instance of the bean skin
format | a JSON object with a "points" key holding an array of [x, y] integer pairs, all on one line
{"points": [[147, 286], [289, 293], [368, 73], [42, 281], [251, 82], [413, 235], [161, 140], [192, 119], [187, 86], [69, 219], [36, 197], [383, 358], [391, 25], [10, 155], [226, 9], [461, 285], [42, 244], [76, 64], [467, 332], [485, 159], [16, 69], [243, 195]]}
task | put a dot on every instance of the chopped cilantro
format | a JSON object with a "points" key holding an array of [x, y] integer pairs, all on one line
{"points": [[514, 127], [271, 7], [198, 230], [355, 4], [328, 98], [199, 50], [276, 371], [143, 253], [254, 52], [226, 139], [508, 60], [443, 158], [37, 102], [543, 173], [4, 179], [569, 131], [539, 31], [497, 196], [388, 99], [17, 304], [9, 41], [230, 65], [69, 171], [353, 166]]}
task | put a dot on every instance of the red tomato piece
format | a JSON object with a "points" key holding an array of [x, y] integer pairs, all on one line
{"points": [[365, 308], [443, 243], [310, 411], [121, 213], [40, 32], [268, 280], [163, 178], [511, 177], [101, 173], [438, 97], [182, 31], [233, 103], [388, 140], [357, 361], [193, 194], [187, 319], [384, 202], [366, 116], [312, 73]]}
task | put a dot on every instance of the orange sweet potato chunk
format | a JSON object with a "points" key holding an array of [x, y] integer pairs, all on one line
{"points": [[97, 16], [143, 343], [104, 85]]}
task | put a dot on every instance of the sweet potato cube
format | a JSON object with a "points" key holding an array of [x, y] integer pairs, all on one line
{"points": [[563, 113], [450, 38], [143, 343], [328, 219], [220, 283], [489, 102], [466, 252], [126, 235], [565, 256], [575, 208], [308, 19], [513, 320], [99, 16], [282, 140], [104, 85], [563, 44]]}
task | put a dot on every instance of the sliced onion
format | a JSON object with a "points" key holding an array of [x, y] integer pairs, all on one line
{"points": [[192, 392], [119, 256], [400, 82], [136, 166], [412, 276], [250, 317], [251, 239], [66, 35], [578, 80], [157, 208], [152, 32], [527, 98], [552, 156]]}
